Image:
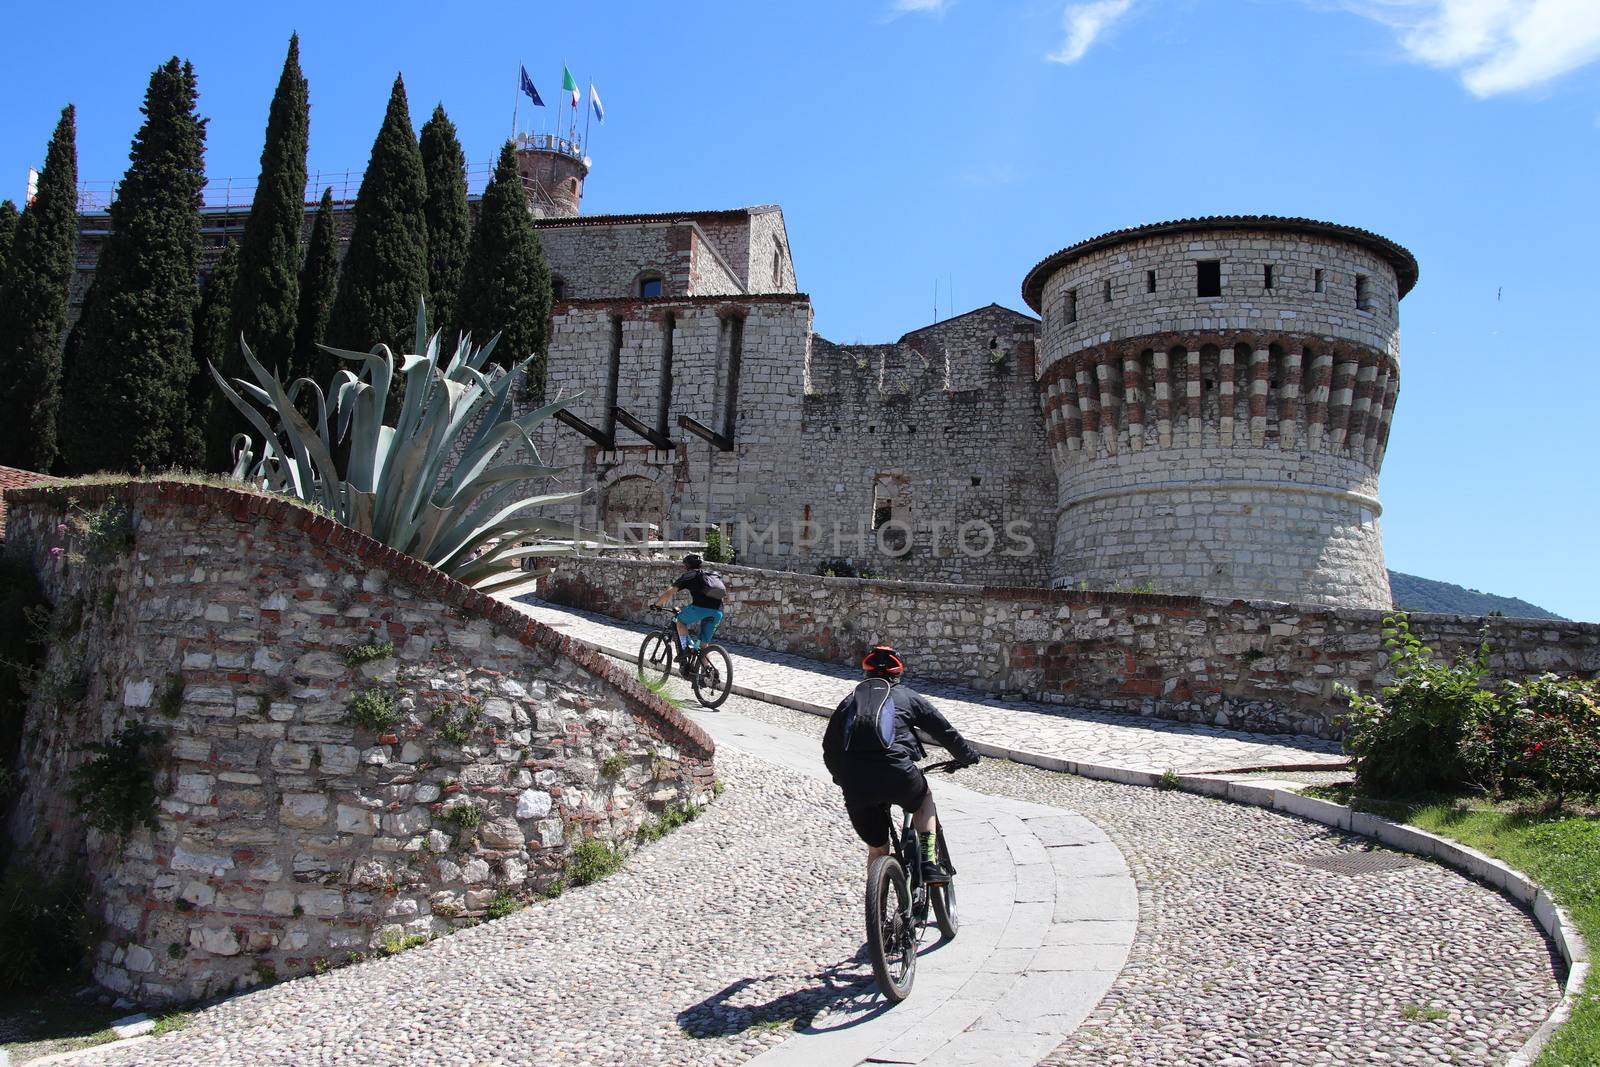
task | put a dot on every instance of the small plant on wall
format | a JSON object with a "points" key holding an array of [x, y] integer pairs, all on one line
{"points": [[374, 710], [115, 790]]}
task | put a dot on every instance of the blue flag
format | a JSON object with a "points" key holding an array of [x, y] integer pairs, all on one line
{"points": [[527, 87], [599, 108]]}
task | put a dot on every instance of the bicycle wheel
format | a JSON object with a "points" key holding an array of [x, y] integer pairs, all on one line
{"points": [[891, 935], [944, 896], [655, 659], [713, 677]]}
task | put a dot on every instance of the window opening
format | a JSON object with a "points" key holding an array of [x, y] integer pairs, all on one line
{"points": [[1266, 276], [1317, 281], [1208, 278], [650, 287], [1149, 281], [1362, 302], [1072, 305], [1108, 291]]}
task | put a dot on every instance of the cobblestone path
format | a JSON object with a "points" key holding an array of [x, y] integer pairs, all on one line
{"points": [[1128, 741], [1245, 956]]}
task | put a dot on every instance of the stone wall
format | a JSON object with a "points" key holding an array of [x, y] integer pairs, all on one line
{"points": [[287, 833], [1248, 665]]}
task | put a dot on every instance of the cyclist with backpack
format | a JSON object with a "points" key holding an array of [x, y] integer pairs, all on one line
{"points": [[871, 749], [706, 591]]}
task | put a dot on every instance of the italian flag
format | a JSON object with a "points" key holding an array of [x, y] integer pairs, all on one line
{"points": [[569, 84]]}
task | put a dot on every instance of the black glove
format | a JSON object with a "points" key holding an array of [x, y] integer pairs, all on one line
{"points": [[971, 761]]}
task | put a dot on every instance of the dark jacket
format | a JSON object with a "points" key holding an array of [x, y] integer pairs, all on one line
{"points": [[912, 712]]}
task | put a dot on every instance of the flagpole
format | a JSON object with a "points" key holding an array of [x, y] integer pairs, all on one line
{"points": [[561, 103], [516, 102]]}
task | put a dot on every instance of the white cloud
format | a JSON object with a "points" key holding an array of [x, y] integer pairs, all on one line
{"points": [[1496, 46], [1084, 23], [919, 7]]}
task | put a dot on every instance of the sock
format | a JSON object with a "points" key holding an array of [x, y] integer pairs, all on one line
{"points": [[929, 851]]}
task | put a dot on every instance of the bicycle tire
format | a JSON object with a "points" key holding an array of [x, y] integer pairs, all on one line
{"points": [[944, 897], [655, 658], [891, 934], [713, 676]]}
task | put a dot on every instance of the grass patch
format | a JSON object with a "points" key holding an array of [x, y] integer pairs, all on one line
{"points": [[1168, 779], [674, 817], [1559, 850], [171, 1022], [466, 816], [612, 765], [456, 726], [375, 710], [501, 905], [591, 861], [1423, 1013], [663, 688], [395, 942]]}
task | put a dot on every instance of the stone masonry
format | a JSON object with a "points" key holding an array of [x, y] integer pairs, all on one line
{"points": [[1246, 665], [288, 835]]}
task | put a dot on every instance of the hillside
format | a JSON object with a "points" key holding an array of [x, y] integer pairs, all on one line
{"points": [[1425, 594]]}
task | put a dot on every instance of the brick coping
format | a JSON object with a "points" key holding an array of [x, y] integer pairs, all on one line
{"points": [[245, 506]]}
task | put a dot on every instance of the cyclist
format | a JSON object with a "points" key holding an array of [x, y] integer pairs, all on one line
{"points": [[706, 593], [871, 748]]}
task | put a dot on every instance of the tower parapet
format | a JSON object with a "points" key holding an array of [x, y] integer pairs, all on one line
{"points": [[553, 171], [1217, 397]]}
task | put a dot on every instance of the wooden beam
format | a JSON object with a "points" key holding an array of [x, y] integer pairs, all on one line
{"points": [[649, 433], [567, 418], [699, 429]]}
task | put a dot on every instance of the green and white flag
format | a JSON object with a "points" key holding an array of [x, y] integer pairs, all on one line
{"points": [[569, 84]]}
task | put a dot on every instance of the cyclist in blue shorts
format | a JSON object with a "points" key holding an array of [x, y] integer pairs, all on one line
{"points": [[706, 593]]}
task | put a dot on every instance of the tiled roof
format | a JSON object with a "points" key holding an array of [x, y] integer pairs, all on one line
{"points": [[1403, 262], [16, 478], [659, 216]]}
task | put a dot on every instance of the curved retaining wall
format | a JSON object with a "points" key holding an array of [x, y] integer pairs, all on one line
{"points": [[287, 834], [1251, 665]]}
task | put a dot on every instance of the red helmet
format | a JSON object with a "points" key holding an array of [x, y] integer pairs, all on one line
{"points": [[882, 659]]}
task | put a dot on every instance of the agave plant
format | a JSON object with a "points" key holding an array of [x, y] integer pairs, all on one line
{"points": [[427, 485]]}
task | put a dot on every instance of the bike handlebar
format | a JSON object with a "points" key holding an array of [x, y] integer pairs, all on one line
{"points": [[949, 766]]}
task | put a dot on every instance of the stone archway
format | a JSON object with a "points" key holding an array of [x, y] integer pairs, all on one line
{"points": [[635, 509]]}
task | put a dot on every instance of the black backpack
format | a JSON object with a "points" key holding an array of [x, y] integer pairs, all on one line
{"points": [[712, 587], [869, 724]]}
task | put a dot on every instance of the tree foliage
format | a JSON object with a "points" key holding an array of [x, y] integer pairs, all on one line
{"points": [[505, 288], [9, 217], [385, 268], [318, 278], [127, 389], [33, 307], [214, 339], [445, 168], [268, 293]]}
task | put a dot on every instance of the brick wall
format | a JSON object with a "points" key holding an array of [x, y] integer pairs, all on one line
{"points": [[287, 834], [1248, 665]]}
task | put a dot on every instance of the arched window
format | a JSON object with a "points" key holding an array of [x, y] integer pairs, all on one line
{"points": [[650, 286]]}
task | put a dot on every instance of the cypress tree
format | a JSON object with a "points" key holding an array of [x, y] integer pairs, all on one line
{"points": [[385, 267], [8, 229], [318, 278], [33, 307], [127, 391], [445, 169], [505, 287], [213, 338], [268, 291]]}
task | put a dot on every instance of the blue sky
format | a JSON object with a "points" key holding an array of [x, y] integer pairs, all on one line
{"points": [[915, 143]]}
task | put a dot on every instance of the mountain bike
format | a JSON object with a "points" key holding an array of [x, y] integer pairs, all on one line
{"points": [[899, 902], [706, 665]]}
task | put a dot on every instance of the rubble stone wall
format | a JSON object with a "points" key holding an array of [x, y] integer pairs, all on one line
{"points": [[1252, 665], [288, 833]]}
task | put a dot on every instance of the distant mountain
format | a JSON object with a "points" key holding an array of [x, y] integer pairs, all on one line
{"points": [[1425, 594]]}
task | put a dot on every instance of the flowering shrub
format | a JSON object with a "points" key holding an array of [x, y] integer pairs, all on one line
{"points": [[1408, 739], [1540, 736], [1436, 729]]}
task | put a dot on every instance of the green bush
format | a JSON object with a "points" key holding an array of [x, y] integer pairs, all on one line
{"points": [[355, 657], [467, 816], [1408, 739], [45, 932], [456, 726], [718, 550], [1539, 736], [501, 905], [116, 790], [375, 710], [591, 861]]}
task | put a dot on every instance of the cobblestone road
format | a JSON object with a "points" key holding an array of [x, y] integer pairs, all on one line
{"points": [[1084, 736]]}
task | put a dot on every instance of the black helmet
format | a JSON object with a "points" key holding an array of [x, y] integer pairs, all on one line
{"points": [[692, 561], [882, 659]]}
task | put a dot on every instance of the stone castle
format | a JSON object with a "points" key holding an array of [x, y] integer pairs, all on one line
{"points": [[1201, 406]]}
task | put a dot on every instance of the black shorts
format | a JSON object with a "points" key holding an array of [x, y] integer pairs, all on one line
{"points": [[870, 792]]}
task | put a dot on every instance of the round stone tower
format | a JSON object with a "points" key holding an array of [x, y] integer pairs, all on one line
{"points": [[1217, 394], [553, 170]]}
